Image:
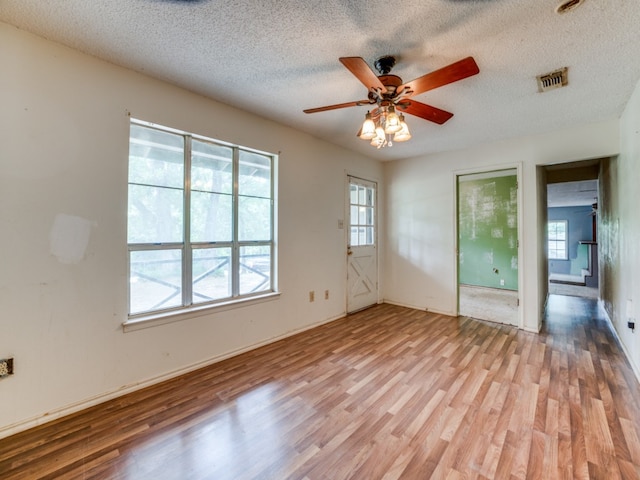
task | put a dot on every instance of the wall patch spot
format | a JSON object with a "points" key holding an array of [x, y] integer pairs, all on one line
{"points": [[69, 238]]}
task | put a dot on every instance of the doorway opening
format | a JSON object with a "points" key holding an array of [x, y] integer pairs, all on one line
{"points": [[572, 194], [487, 246]]}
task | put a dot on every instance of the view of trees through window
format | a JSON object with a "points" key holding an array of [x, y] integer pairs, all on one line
{"points": [[200, 220]]}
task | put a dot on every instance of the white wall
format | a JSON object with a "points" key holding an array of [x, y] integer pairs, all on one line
{"points": [[420, 261], [63, 149], [620, 233]]}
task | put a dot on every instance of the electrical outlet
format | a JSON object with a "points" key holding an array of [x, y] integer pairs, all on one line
{"points": [[326, 294], [631, 325], [312, 296], [502, 282], [6, 367]]}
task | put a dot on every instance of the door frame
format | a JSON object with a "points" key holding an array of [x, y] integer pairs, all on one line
{"points": [[345, 224], [484, 170]]}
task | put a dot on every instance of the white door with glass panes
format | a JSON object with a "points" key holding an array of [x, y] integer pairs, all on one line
{"points": [[362, 256]]}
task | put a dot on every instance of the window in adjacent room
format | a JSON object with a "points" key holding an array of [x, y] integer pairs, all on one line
{"points": [[557, 237], [200, 221]]}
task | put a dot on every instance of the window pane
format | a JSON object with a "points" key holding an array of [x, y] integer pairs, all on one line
{"points": [[561, 230], [354, 237], [366, 216], [370, 197], [353, 215], [362, 216], [211, 217], [353, 193], [255, 269], [155, 280], [155, 214], [156, 157], [369, 235], [254, 175], [362, 236], [557, 249], [362, 195], [558, 230], [254, 219], [211, 274], [211, 167], [557, 236]]}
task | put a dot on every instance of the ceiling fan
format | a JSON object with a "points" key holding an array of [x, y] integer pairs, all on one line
{"points": [[388, 92]]}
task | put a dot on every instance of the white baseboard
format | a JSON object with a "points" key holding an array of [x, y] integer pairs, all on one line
{"points": [[125, 389], [634, 367], [422, 308]]}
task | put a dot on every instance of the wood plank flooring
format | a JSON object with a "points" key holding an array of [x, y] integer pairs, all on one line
{"points": [[387, 393]]}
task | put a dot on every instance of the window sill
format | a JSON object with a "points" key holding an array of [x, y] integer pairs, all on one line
{"points": [[154, 320]]}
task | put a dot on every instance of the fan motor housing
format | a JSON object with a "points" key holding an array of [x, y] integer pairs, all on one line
{"points": [[391, 82], [385, 64]]}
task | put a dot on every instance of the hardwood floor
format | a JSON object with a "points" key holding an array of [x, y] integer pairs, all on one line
{"points": [[386, 393]]}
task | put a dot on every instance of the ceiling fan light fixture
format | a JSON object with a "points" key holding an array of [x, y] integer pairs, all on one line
{"points": [[380, 140], [377, 132], [368, 130], [403, 134], [392, 121]]}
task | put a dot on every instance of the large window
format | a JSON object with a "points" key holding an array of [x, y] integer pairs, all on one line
{"points": [[558, 240], [200, 221]]}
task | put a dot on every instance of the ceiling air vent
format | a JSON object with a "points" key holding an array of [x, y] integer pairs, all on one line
{"points": [[552, 80]]}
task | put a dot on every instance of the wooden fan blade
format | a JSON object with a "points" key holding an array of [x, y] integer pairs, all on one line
{"points": [[427, 112], [363, 72], [459, 70], [336, 106]]}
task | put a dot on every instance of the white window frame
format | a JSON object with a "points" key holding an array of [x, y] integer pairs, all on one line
{"points": [[556, 241], [188, 309], [369, 223]]}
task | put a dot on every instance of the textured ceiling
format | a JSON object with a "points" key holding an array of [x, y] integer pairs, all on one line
{"points": [[277, 57], [572, 194]]}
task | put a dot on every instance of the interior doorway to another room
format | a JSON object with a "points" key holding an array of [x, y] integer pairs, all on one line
{"points": [[487, 246], [572, 226]]}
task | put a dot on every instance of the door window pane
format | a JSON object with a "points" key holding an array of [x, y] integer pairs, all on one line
{"points": [[362, 195], [362, 214], [353, 194]]}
